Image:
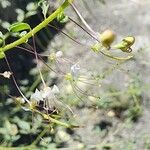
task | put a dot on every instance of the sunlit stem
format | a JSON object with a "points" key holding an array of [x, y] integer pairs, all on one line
{"points": [[67, 35], [115, 57], [45, 116], [84, 29], [83, 21]]}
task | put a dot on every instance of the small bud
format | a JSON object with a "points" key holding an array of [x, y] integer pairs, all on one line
{"points": [[69, 77], [125, 44], [129, 40], [52, 56], [107, 38], [111, 113], [6, 74], [59, 54], [20, 100]]}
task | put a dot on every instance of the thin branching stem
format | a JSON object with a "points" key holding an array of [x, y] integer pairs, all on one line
{"points": [[13, 77], [36, 57], [67, 35], [83, 21], [83, 29]]}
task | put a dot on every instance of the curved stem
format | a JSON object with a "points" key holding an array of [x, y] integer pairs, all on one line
{"points": [[16, 82], [115, 57]]}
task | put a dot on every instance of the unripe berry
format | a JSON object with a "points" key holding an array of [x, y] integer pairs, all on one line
{"points": [[125, 44], [129, 40], [107, 38]]}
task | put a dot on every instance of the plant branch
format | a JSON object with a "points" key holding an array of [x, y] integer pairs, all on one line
{"points": [[37, 28]]}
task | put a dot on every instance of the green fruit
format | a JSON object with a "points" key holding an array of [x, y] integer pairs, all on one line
{"points": [[107, 38], [125, 44]]}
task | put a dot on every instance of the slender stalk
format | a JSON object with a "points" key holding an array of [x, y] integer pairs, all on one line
{"points": [[84, 29], [83, 21], [40, 136], [16, 82], [67, 35], [36, 57]]}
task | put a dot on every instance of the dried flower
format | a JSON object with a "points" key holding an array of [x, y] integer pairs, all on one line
{"points": [[47, 96], [59, 54], [6, 74], [37, 96], [55, 56], [75, 69], [55, 90]]}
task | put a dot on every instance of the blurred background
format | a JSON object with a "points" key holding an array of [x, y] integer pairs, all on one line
{"points": [[120, 118]]}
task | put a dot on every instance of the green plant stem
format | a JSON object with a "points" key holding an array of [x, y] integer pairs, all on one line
{"points": [[37, 28], [52, 120], [40, 136], [18, 148]]}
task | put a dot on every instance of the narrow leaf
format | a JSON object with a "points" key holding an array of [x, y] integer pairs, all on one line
{"points": [[19, 26]]}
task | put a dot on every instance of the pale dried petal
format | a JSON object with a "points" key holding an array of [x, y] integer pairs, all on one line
{"points": [[55, 89], [59, 54], [75, 69], [37, 96], [7, 74]]}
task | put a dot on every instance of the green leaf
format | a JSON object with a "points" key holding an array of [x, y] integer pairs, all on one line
{"points": [[19, 26]]}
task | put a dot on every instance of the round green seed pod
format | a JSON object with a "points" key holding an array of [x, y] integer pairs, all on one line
{"points": [[107, 38], [129, 40], [125, 44]]}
